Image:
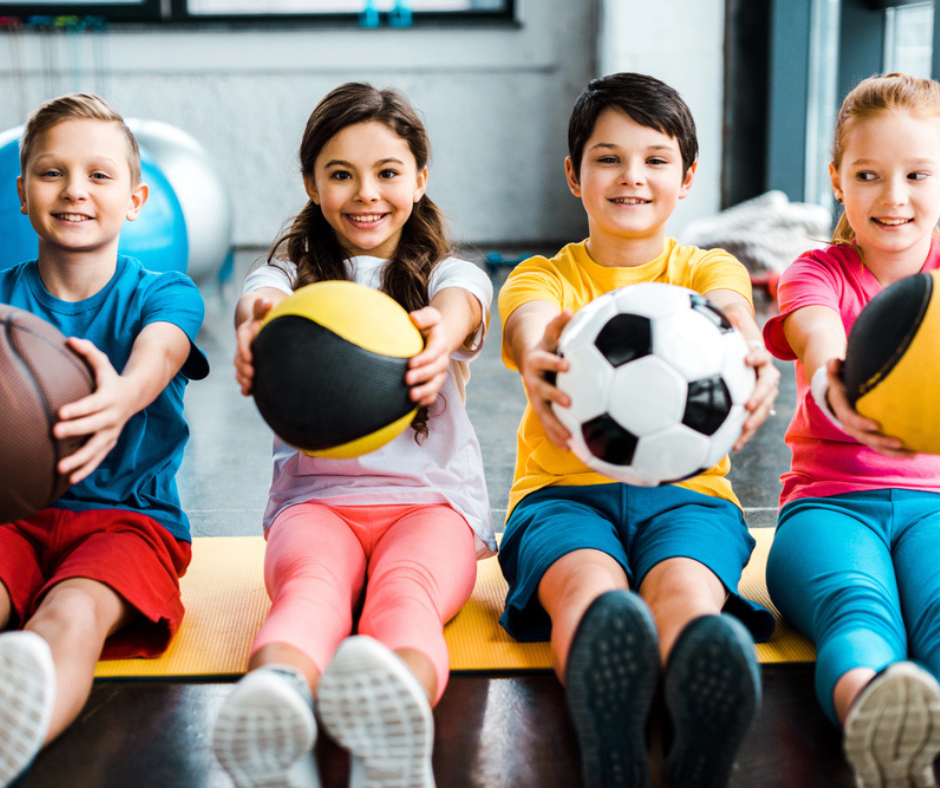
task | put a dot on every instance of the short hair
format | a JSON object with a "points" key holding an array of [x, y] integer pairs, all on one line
{"points": [[76, 106], [645, 99]]}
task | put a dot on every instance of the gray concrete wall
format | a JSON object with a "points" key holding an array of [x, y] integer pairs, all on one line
{"points": [[496, 100]]}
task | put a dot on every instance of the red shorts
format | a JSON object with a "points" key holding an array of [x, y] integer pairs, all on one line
{"points": [[132, 554]]}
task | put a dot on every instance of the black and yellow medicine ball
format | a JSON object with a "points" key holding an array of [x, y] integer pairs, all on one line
{"points": [[330, 364], [893, 358]]}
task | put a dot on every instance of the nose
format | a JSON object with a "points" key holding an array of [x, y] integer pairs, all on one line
{"points": [[895, 191], [633, 174], [367, 190], [73, 188]]}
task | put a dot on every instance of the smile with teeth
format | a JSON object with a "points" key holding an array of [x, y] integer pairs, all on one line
{"points": [[366, 218], [891, 222], [630, 201], [72, 217]]}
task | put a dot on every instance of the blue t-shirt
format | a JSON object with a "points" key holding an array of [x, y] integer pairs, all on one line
{"points": [[139, 473]]}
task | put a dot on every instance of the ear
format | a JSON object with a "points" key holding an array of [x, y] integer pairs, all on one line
{"points": [[139, 196], [836, 181], [310, 186], [687, 181], [422, 186], [21, 191], [571, 174]]}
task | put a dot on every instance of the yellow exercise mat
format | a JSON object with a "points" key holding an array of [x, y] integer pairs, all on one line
{"points": [[225, 600]]}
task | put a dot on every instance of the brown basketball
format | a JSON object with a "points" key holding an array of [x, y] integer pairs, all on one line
{"points": [[39, 374]]}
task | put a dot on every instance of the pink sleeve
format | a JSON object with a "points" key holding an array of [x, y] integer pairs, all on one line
{"points": [[810, 280]]}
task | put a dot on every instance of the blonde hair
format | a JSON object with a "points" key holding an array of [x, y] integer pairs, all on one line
{"points": [[876, 96], [76, 106]]}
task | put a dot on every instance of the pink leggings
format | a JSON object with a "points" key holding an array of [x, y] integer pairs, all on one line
{"points": [[416, 565]]}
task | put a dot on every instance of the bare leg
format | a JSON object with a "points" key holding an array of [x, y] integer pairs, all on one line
{"points": [[567, 590], [75, 619], [848, 688], [284, 654]]}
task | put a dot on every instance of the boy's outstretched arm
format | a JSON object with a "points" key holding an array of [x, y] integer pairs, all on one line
{"points": [[761, 402], [449, 323], [159, 352], [817, 337], [531, 334]]}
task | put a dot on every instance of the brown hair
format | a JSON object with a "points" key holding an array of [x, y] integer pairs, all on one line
{"points": [[311, 243], [76, 106], [876, 96], [645, 99]]}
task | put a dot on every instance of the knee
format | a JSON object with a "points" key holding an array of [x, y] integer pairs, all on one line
{"points": [[72, 609], [680, 580]]}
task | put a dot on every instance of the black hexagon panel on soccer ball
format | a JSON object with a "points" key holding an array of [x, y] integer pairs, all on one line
{"points": [[624, 338], [707, 405], [705, 307], [608, 441]]}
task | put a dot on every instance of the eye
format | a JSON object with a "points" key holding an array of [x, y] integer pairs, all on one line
{"points": [[340, 175], [865, 176], [657, 161], [49, 174], [608, 160], [100, 176], [388, 173], [917, 176]]}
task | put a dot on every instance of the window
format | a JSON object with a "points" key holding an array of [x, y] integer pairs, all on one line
{"points": [[366, 13]]}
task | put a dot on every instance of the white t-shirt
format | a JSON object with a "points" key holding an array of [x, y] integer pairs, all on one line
{"points": [[447, 467]]}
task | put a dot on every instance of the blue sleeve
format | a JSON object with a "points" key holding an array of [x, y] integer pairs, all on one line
{"points": [[174, 298]]}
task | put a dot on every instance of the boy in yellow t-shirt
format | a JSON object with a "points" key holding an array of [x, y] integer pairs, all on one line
{"points": [[625, 579]]}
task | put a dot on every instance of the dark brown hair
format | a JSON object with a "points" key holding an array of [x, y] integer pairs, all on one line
{"points": [[311, 243], [645, 99]]}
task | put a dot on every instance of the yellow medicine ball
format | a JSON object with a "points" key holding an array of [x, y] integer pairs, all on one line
{"points": [[330, 364], [892, 359]]}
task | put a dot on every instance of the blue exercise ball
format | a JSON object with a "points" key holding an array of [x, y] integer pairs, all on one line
{"points": [[157, 238]]}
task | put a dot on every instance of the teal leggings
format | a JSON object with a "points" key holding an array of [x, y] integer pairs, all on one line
{"points": [[859, 574]]}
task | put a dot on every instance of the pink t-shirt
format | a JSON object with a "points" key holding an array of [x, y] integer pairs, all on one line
{"points": [[825, 460]]}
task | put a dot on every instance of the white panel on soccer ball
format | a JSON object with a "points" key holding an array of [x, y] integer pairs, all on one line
{"points": [[738, 376], [582, 329], [628, 474], [723, 439], [691, 343], [587, 382], [647, 395], [672, 454], [652, 299]]}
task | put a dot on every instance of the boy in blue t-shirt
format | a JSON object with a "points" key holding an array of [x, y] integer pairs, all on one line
{"points": [[96, 574]]}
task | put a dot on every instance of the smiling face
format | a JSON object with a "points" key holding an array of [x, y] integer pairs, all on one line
{"points": [[77, 187], [889, 182], [366, 181], [630, 179]]}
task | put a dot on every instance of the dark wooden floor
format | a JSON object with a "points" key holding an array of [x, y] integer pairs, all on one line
{"points": [[491, 731]]}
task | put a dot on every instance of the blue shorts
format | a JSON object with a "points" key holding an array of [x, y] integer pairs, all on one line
{"points": [[639, 527]]}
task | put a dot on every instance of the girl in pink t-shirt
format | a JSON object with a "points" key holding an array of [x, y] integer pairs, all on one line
{"points": [[853, 563]]}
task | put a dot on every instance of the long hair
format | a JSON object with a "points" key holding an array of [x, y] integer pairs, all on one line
{"points": [[876, 96], [76, 106], [311, 243]]}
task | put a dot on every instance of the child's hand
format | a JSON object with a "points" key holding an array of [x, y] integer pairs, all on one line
{"points": [[761, 402], [854, 424], [102, 414], [244, 334], [538, 368], [428, 370]]}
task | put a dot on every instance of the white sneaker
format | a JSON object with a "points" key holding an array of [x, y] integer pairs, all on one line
{"points": [[370, 703], [265, 726], [27, 695], [892, 733]]}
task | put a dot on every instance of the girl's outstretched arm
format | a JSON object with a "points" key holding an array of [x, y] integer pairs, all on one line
{"points": [[817, 337], [449, 323], [249, 312]]}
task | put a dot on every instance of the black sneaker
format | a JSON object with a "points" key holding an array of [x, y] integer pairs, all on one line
{"points": [[712, 693], [611, 678]]}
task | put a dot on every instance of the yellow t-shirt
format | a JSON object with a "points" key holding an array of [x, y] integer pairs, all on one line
{"points": [[570, 280]]}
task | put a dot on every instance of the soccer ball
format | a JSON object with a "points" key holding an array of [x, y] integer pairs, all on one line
{"points": [[657, 382]]}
